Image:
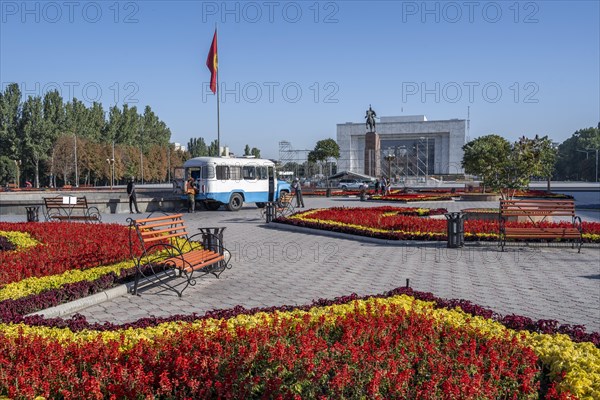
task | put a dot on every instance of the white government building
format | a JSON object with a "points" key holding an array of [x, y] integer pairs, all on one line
{"points": [[403, 147]]}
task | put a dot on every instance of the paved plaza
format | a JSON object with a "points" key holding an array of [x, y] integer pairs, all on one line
{"points": [[276, 265]]}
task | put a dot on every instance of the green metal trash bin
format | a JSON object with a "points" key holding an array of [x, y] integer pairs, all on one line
{"points": [[33, 214], [456, 229]]}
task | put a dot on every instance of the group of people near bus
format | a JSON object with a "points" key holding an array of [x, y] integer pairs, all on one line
{"points": [[382, 186]]}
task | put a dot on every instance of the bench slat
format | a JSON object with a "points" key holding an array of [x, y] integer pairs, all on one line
{"points": [[175, 225], [149, 240], [145, 232], [194, 258], [173, 217]]}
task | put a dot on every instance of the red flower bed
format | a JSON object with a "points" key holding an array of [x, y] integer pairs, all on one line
{"points": [[379, 222], [374, 355], [63, 246]]}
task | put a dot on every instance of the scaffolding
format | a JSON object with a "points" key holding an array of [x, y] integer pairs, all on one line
{"points": [[293, 160]]}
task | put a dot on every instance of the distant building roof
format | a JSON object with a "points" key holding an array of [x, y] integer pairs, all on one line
{"points": [[404, 118]]}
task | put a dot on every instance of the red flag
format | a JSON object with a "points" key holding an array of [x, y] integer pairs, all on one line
{"points": [[212, 63]]}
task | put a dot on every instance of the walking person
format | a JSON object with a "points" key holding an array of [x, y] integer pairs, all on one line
{"points": [[377, 186], [298, 189], [190, 191], [132, 196]]}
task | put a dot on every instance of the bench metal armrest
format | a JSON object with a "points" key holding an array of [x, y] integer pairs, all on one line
{"points": [[577, 223], [502, 222], [93, 213]]}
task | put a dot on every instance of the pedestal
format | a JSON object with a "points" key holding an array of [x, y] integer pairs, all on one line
{"points": [[372, 154]]}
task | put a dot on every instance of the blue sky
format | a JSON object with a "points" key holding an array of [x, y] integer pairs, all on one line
{"points": [[292, 70]]}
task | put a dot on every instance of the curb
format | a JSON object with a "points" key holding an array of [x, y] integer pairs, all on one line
{"points": [[408, 243], [80, 304]]}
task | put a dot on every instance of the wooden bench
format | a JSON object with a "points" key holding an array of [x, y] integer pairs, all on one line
{"points": [[537, 212], [169, 250], [70, 208]]}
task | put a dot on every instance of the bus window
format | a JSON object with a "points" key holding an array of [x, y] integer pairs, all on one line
{"points": [[226, 172], [235, 172], [261, 173], [208, 172], [249, 172], [222, 172]]}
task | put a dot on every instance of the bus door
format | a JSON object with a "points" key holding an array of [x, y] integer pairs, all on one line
{"points": [[271, 183], [178, 180]]}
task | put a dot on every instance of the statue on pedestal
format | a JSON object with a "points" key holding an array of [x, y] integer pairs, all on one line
{"points": [[370, 117]]}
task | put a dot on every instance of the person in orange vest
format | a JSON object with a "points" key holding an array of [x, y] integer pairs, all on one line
{"points": [[190, 191]]}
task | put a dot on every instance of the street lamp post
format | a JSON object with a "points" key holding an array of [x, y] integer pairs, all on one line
{"points": [[596, 165], [169, 163], [389, 158], [406, 169], [75, 150], [111, 163], [426, 158]]}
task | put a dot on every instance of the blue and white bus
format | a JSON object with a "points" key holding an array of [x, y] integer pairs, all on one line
{"points": [[234, 181]]}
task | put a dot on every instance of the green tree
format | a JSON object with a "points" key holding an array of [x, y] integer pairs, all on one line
{"points": [[113, 125], [129, 129], [255, 152], [213, 149], [54, 114], [95, 123], [197, 147], [324, 150], [10, 116], [8, 170], [154, 131], [576, 156], [545, 156], [36, 139], [76, 118], [247, 150], [483, 155], [505, 167]]}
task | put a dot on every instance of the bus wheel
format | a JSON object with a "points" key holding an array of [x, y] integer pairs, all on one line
{"points": [[261, 205], [212, 205], [235, 202]]}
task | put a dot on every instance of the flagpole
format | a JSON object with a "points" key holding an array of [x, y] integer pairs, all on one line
{"points": [[218, 106]]}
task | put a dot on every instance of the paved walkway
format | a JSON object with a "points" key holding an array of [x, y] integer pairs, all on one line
{"points": [[289, 266]]}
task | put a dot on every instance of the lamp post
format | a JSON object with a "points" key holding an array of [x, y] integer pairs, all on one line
{"points": [[111, 163], [389, 158], [596, 163], [169, 162], [75, 150], [426, 158], [406, 168]]}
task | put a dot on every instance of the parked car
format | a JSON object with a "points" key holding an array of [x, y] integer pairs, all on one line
{"points": [[345, 184]]}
